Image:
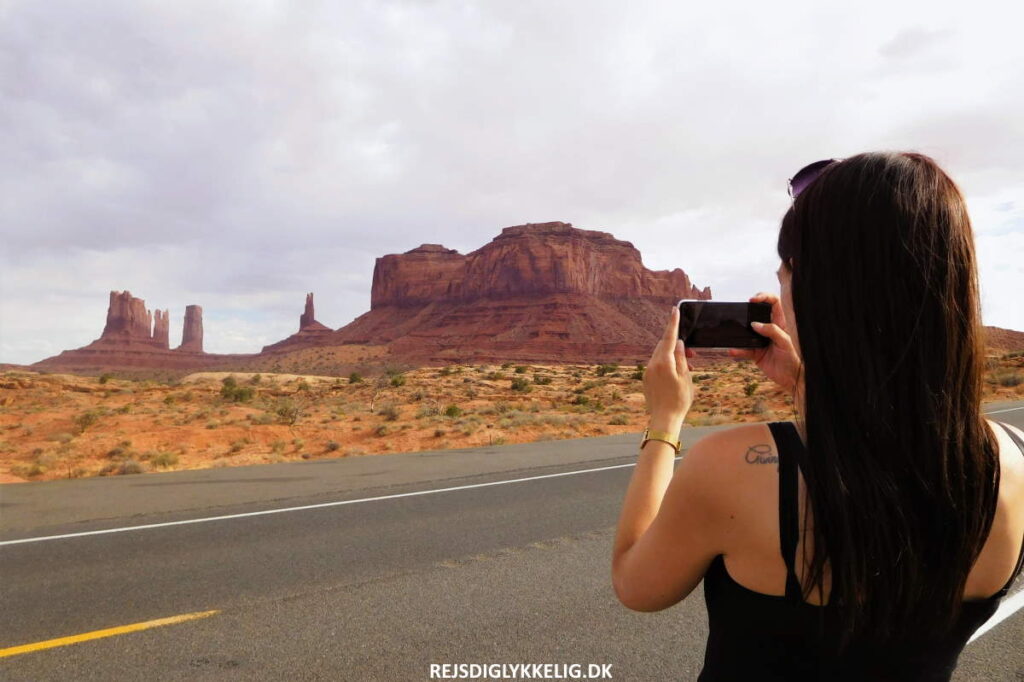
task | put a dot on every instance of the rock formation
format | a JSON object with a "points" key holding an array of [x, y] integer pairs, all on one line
{"points": [[544, 291], [134, 338], [161, 329], [311, 333], [127, 318], [526, 260], [192, 330], [307, 321]]}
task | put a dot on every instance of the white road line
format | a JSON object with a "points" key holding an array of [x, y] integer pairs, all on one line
{"points": [[1007, 607], [307, 506], [1009, 409]]}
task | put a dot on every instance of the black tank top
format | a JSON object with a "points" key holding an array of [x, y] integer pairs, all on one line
{"points": [[757, 636]]}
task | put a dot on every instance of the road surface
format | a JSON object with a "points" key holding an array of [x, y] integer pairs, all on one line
{"points": [[359, 571]]}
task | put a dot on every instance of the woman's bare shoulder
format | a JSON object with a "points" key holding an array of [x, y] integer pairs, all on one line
{"points": [[740, 453], [744, 443]]}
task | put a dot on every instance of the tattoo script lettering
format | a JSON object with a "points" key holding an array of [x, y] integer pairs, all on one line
{"points": [[760, 454]]}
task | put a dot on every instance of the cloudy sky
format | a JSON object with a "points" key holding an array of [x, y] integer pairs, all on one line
{"points": [[239, 154]]}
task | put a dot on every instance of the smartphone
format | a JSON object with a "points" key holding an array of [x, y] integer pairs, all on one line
{"points": [[722, 324]]}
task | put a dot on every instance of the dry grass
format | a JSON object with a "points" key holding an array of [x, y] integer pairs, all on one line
{"points": [[61, 426]]}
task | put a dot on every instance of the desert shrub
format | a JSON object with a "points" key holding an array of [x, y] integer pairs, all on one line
{"points": [[700, 377], [520, 369], [129, 466], [429, 410], [1009, 379], [758, 407], [398, 380], [521, 385], [502, 406], [237, 394], [438, 433], [452, 411], [303, 386], [389, 411], [255, 379], [750, 388], [168, 399], [86, 419], [355, 378], [104, 378], [606, 369], [638, 373], [238, 445], [417, 396], [230, 390], [332, 446], [381, 430], [618, 420], [287, 411], [164, 459], [495, 376], [444, 371], [506, 365], [541, 380], [581, 400], [278, 446]]}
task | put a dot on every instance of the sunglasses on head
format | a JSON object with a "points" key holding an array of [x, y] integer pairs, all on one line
{"points": [[806, 175]]}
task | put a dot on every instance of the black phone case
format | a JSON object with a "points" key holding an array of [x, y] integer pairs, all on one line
{"points": [[721, 324]]}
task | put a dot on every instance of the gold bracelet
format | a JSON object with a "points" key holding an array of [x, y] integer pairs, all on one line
{"points": [[663, 436]]}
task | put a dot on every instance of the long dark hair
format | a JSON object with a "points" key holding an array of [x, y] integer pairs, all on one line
{"points": [[902, 472]]}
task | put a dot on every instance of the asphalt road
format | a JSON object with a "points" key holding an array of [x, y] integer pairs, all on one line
{"points": [[514, 572]]}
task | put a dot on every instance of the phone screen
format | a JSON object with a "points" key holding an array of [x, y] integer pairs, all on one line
{"points": [[721, 324]]}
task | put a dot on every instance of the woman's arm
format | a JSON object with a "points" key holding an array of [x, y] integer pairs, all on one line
{"points": [[668, 390]]}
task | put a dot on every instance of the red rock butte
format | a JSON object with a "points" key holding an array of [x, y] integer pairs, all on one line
{"points": [[538, 292]]}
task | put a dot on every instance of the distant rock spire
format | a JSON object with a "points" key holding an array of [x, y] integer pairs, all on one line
{"points": [[161, 329], [307, 318], [192, 332]]}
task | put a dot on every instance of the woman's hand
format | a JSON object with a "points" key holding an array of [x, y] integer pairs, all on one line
{"points": [[668, 387], [779, 361]]}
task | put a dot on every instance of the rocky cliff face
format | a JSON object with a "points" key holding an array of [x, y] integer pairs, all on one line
{"points": [[540, 291], [535, 259], [127, 318], [192, 331]]}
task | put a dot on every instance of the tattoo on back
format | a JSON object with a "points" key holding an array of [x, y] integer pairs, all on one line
{"points": [[760, 454]]}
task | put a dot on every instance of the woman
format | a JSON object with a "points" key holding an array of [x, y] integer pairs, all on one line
{"points": [[873, 536]]}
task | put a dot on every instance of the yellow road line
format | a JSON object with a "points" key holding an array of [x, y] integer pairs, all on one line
{"points": [[98, 634]]}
